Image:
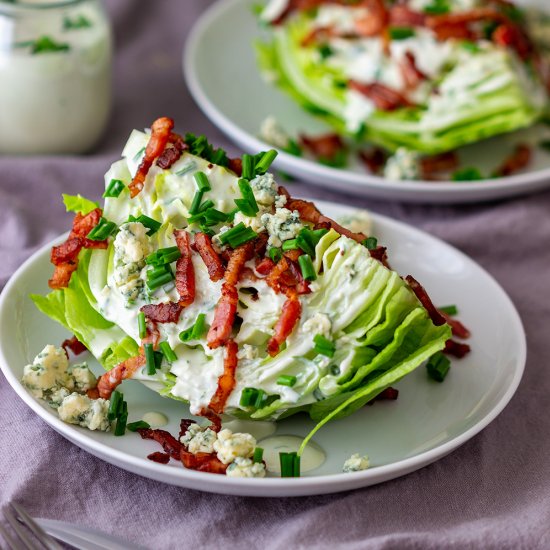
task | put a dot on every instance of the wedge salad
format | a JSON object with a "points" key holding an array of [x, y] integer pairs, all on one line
{"points": [[204, 279], [420, 76]]}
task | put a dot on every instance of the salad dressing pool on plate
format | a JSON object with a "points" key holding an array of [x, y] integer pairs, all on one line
{"points": [[155, 419], [312, 457]]}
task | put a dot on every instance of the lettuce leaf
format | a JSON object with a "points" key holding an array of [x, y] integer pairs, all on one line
{"points": [[79, 204]]}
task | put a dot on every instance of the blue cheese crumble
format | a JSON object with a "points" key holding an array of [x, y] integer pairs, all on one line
{"points": [[244, 467], [131, 247], [403, 165], [198, 439], [81, 410], [356, 463], [230, 446], [281, 226]]}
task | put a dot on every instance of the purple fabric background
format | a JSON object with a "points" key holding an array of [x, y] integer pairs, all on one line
{"points": [[494, 492]]}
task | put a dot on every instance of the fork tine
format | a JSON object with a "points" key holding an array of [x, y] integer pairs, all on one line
{"points": [[21, 533], [38, 532], [12, 545]]}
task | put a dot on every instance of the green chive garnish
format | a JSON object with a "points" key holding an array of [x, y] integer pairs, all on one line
{"points": [[197, 199], [401, 33], [467, 174], [260, 397], [202, 182], [115, 404], [152, 225], [120, 428], [45, 44], [449, 310], [138, 425], [324, 346], [286, 380], [150, 359], [370, 242], [438, 367], [291, 244], [306, 265], [102, 230], [168, 352], [196, 331], [262, 166], [248, 167], [275, 254], [290, 464], [114, 189], [308, 239], [237, 235], [258, 454], [247, 205], [142, 325], [248, 397]]}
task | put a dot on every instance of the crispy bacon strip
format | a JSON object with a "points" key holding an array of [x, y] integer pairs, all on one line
{"points": [[456, 349], [402, 16], [170, 444], [326, 146], [236, 165], [161, 131], [220, 331], [65, 256], [389, 394], [444, 162], [185, 272], [292, 309], [459, 330], [226, 382], [518, 160], [385, 98], [74, 345], [374, 160], [209, 256], [513, 36], [375, 22], [422, 295], [203, 462], [108, 382], [264, 266], [171, 154], [274, 277], [213, 417], [161, 458], [162, 313], [412, 75]]}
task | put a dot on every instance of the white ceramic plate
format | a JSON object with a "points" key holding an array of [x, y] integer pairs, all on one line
{"points": [[221, 72], [428, 420]]}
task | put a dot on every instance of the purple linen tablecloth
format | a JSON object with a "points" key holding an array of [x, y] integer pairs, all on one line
{"points": [[493, 492]]}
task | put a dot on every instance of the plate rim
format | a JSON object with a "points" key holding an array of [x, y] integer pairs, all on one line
{"points": [[361, 184], [277, 487]]}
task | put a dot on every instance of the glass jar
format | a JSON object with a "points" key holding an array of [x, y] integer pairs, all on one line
{"points": [[55, 75]]}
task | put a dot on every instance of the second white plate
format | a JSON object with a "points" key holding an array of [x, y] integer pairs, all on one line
{"points": [[221, 72], [428, 421]]}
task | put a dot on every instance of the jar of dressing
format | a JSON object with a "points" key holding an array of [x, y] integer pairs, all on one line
{"points": [[55, 75]]}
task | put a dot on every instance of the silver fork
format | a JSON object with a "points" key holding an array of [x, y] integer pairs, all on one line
{"points": [[23, 525]]}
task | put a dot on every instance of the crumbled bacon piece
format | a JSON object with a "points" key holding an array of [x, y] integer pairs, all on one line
{"points": [[203, 462], [161, 131], [456, 349], [435, 164], [236, 165], [422, 295], [301, 285], [185, 272], [459, 330], [161, 458], [264, 266], [162, 313], [65, 256], [226, 382], [402, 16], [518, 160], [385, 98], [389, 394], [185, 423], [374, 159], [326, 146], [209, 256], [379, 253], [375, 21], [172, 154], [412, 75], [292, 309], [109, 381], [220, 331], [74, 345], [513, 36], [170, 444], [213, 417]]}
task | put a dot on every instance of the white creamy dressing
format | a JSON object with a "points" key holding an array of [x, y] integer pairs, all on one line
{"points": [[54, 102], [155, 419], [312, 457]]}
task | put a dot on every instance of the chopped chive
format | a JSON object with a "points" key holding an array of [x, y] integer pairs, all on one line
{"points": [[401, 33], [46, 44], [78, 22], [213, 216], [325, 51], [248, 167], [438, 367], [467, 174], [102, 230], [262, 166], [291, 244], [120, 428], [258, 454], [168, 352], [237, 235], [115, 404], [275, 254], [290, 464], [197, 199], [260, 398], [324, 346], [196, 330], [138, 425], [159, 277], [308, 239], [449, 310], [248, 397], [150, 359], [142, 325], [158, 359], [206, 205], [247, 205], [114, 189], [153, 259], [201, 179], [286, 380], [292, 148], [306, 265], [152, 225], [370, 242]]}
